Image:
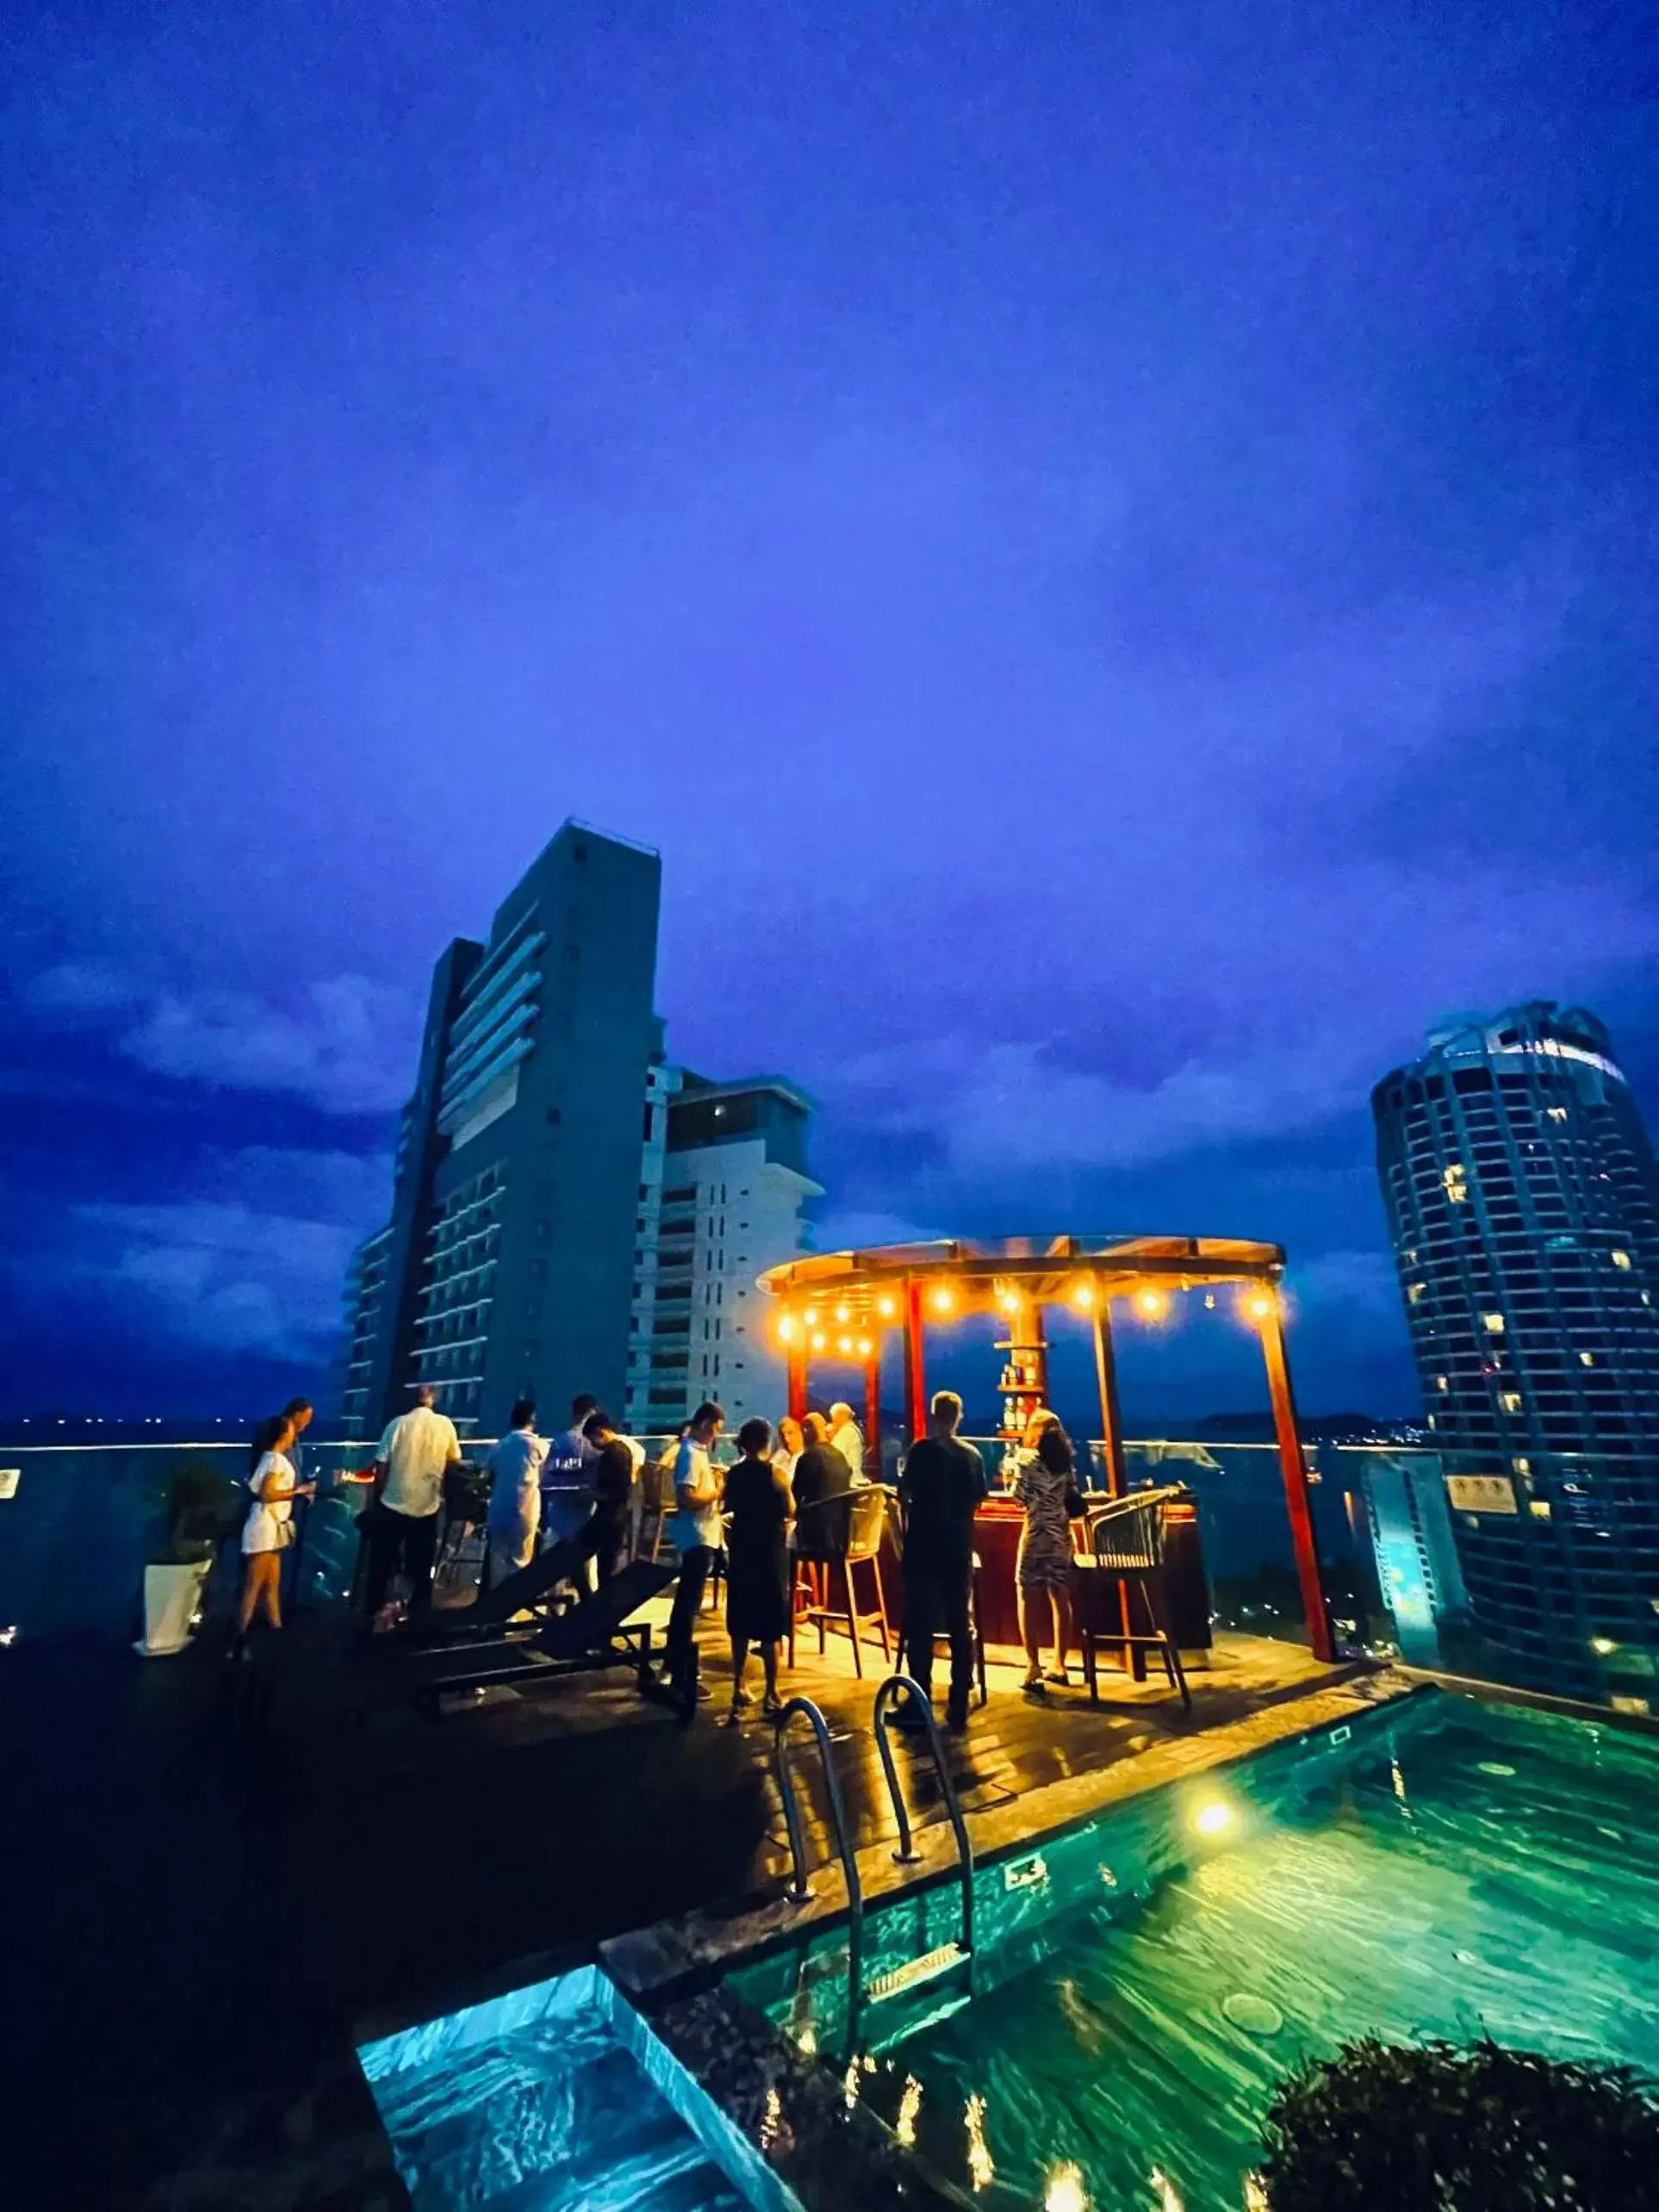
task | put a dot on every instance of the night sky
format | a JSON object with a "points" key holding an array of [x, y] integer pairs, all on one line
{"points": [[1112, 549]]}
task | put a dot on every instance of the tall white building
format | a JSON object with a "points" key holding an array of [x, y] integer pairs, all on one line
{"points": [[723, 1189]]}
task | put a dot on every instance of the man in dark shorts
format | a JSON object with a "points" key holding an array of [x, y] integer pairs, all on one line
{"points": [[612, 1470], [941, 1487]]}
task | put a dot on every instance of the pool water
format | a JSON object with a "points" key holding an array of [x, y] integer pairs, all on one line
{"points": [[536, 2103], [1144, 1984]]}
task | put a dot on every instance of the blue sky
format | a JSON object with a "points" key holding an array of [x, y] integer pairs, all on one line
{"points": [[1112, 551]]}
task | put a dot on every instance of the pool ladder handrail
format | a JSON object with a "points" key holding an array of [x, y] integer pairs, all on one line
{"points": [[800, 1889], [886, 1697]]}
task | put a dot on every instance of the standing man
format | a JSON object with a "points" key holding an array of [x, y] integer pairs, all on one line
{"points": [[941, 1487], [515, 1494], [847, 1438], [417, 1450], [613, 1492], [697, 1535]]}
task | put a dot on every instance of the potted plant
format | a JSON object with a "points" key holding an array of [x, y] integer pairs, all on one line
{"points": [[199, 1508], [1387, 2128]]}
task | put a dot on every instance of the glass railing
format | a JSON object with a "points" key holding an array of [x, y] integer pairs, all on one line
{"points": [[1544, 1577]]}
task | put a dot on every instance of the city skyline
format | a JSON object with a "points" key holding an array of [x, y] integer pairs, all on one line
{"points": [[1113, 565]]}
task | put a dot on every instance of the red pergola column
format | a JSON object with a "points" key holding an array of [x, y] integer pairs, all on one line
{"points": [[798, 1381], [1298, 1502], [916, 1376], [872, 1466], [1111, 1420]]}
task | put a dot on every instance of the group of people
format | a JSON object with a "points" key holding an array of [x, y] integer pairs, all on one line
{"points": [[582, 1489]]}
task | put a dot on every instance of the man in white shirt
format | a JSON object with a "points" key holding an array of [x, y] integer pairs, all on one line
{"points": [[697, 1534], [417, 1450], [847, 1439], [515, 1494]]}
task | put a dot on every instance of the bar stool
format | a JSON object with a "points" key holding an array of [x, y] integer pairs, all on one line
{"points": [[1125, 1546], [842, 1532]]}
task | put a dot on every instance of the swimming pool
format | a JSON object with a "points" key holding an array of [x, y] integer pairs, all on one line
{"points": [[1141, 1985]]}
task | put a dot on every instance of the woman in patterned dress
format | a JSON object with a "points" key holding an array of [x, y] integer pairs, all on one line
{"points": [[1045, 1475]]}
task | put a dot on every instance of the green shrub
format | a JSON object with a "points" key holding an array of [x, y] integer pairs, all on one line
{"points": [[1383, 2128]]}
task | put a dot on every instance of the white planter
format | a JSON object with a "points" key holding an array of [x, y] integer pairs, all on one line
{"points": [[171, 1595]]}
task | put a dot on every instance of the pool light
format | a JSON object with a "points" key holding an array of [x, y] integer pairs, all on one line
{"points": [[1213, 1817], [1064, 2192], [982, 2171]]}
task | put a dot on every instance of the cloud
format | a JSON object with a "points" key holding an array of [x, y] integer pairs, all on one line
{"points": [[1006, 1109], [79, 991], [257, 1264], [349, 1046]]}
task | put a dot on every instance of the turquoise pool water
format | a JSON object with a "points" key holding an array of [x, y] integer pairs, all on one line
{"points": [[1144, 1983], [550, 2100]]}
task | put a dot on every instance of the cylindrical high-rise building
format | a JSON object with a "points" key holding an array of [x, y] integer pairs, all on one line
{"points": [[1523, 1200]]}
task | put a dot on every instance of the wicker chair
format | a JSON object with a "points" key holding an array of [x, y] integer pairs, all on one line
{"points": [[1126, 1545]]}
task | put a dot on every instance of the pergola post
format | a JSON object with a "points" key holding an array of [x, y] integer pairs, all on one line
{"points": [[916, 1376], [1111, 1420], [872, 1466], [797, 1371], [1298, 1502]]}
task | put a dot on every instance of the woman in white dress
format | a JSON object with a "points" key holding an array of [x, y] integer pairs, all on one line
{"points": [[269, 1529]]}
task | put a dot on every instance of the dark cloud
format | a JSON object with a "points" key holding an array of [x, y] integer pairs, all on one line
{"points": [[1115, 558]]}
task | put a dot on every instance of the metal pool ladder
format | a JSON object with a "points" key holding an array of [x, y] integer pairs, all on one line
{"points": [[800, 1888], [945, 1958]]}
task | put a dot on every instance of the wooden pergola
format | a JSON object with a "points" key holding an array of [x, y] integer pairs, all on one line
{"points": [[844, 1306]]}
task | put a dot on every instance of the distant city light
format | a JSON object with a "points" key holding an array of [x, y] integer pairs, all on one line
{"points": [[1214, 1817]]}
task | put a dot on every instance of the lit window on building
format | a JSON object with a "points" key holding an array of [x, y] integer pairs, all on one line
{"points": [[1540, 1508], [1456, 1179], [1620, 1259], [1587, 1359], [1556, 1112], [1442, 1382], [1414, 1291], [1510, 1401], [1492, 1324]]}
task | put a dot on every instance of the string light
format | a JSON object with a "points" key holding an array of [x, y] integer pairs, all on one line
{"points": [[864, 1347], [817, 1341], [844, 1345], [1151, 1304], [786, 1328], [942, 1301], [1258, 1305], [811, 1315], [1083, 1297], [885, 1307]]}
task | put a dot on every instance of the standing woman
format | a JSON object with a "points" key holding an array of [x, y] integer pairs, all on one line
{"points": [[759, 1504], [269, 1529], [1043, 1482]]}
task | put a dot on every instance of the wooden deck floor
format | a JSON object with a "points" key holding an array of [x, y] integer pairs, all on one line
{"points": [[216, 1919]]}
